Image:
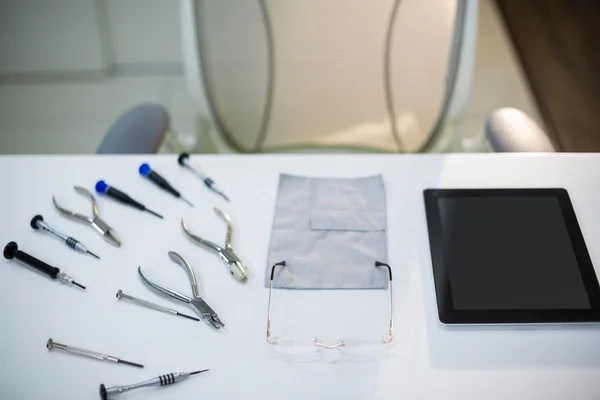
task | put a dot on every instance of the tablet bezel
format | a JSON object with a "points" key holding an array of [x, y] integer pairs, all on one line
{"points": [[446, 311]]}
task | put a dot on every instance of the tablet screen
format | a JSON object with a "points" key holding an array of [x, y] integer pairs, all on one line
{"points": [[509, 256], [508, 253]]}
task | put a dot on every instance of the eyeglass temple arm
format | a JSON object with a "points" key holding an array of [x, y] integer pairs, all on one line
{"points": [[281, 263], [377, 264], [380, 264]]}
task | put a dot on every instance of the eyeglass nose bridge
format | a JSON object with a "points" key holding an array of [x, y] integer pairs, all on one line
{"points": [[330, 346]]}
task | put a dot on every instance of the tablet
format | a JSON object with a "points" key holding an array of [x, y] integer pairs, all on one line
{"points": [[509, 256]]}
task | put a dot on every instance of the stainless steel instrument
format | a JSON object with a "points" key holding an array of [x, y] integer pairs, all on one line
{"points": [[51, 344], [95, 221], [184, 161], [145, 303], [236, 267], [38, 223], [163, 380], [197, 304]]}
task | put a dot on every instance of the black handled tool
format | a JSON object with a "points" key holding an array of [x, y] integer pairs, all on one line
{"points": [[161, 182], [11, 250], [102, 187]]}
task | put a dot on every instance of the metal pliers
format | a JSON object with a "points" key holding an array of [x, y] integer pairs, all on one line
{"points": [[196, 303], [231, 260], [95, 221]]}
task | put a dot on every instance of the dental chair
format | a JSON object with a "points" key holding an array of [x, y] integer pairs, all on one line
{"points": [[382, 76], [326, 75]]}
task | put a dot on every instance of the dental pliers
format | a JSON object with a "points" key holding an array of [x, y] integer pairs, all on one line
{"points": [[196, 303], [95, 221], [226, 253]]}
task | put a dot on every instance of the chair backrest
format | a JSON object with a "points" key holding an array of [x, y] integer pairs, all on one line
{"points": [[376, 75]]}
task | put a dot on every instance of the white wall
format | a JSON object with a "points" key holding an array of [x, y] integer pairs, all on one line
{"points": [[144, 31], [66, 36], [50, 36]]}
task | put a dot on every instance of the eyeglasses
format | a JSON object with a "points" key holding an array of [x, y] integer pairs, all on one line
{"points": [[356, 346]]}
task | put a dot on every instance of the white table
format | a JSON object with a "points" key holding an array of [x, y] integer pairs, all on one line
{"points": [[427, 361]]}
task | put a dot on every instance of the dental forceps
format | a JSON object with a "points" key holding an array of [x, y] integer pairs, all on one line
{"points": [[196, 303], [95, 221], [231, 260]]}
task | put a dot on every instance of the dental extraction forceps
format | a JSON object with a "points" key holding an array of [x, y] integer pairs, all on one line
{"points": [[197, 304], [233, 262], [95, 221]]}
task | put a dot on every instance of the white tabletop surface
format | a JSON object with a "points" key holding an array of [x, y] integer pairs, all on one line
{"points": [[427, 360]]}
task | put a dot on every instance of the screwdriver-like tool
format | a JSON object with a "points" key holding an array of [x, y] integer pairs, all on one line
{"points": [[103, 188], [38, 223], [51, 344], [161, 182], [11, 250], [162, 380], [146, 303], [184, 161]]}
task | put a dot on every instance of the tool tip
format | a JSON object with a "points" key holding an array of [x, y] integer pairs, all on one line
{"points": [[186, 200], [130, 363], [92, 254], [155, 214], [77, 284], [198, 372], [187, 316]]}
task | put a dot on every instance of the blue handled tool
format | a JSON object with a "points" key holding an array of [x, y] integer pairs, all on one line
{"points": [[102, 187], [161, 182], [184, 161]]}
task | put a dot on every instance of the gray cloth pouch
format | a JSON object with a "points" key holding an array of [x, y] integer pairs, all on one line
{"points": [[330, 232]]}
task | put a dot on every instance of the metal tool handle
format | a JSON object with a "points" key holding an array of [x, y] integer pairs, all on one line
{"points": [[70, 214], [90, 196], [162, 380], [161, 289], [184, 161], [207, 243], [51, 344], [105, 392], [86, 353], [188, 268], [145, 303], [227, 219], [37, 222]]}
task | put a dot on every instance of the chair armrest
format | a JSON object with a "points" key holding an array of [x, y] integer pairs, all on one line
{"points": [[511, 130], [141, 130]]}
